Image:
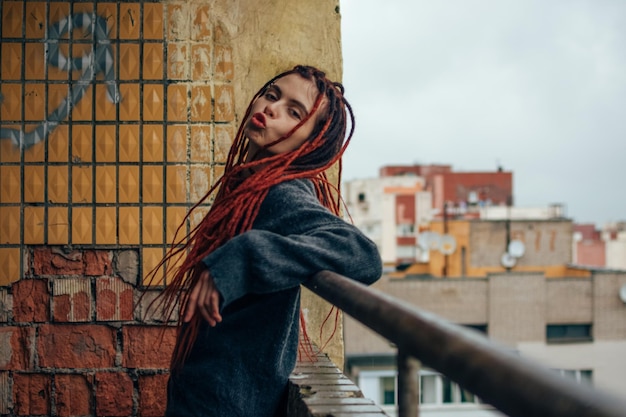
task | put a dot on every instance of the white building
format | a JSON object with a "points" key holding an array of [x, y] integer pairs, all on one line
{"points": [[615, 246], [390, 211]]}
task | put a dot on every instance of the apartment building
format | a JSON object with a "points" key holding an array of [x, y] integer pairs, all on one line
{"points": [[604, 247], [455, 245], [573, 325], [401, 203]]}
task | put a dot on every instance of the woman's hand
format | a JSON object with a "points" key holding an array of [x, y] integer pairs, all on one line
{"points": [[204, 298]]}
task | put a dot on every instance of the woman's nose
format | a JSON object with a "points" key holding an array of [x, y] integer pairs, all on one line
{"points": [[270, 109]]}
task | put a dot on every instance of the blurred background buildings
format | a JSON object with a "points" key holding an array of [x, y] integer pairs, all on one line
{"points": [[529, 278]]}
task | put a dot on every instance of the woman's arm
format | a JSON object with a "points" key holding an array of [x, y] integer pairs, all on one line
{"points": [[259, 261], [296, 238]]}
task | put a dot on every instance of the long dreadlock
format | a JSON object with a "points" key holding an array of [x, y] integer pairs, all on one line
{"points": [[243, 187]]}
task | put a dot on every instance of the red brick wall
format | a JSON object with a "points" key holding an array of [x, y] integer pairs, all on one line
{"points": [[73, 344], [591, 253], [588, 231], [455, 187], [420, 170]]}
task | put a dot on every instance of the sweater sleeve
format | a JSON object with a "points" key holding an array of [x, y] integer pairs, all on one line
{"points": [[299, 239]]}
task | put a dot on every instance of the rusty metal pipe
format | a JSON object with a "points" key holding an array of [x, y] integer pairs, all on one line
{"points": [[408, 385], [514, 385]]}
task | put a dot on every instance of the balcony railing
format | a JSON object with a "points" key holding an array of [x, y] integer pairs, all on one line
{"points": [[512, 384]]}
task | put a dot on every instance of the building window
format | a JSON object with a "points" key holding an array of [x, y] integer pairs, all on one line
{"points": [[405, 229], [582, 376], [568, 333], [482, 328], [428, 389], [436, 389], [361, 197], [405, 252], [388, 390]]}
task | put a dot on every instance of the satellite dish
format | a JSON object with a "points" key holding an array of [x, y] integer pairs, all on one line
{"points": [[516, 248], [447, 244], [622, 293], [429, 240], [507, 260]]}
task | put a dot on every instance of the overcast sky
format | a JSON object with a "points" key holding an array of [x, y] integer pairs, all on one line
{"points": [[538, 87]]}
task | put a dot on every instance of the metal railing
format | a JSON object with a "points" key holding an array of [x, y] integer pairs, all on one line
{"points": [[516, 386]]}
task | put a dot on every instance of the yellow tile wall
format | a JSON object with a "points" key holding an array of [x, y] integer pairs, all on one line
{"points": [[101, 172]]}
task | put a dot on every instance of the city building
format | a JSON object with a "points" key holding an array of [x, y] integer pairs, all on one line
{"points": [[391, 210], [600, 248], [410, 210], [588, 248], [461, 191], [574, 325], [527, 277]]}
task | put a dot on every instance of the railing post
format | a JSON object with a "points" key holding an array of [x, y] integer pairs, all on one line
{"points": [[408, 384], [516, 386]]}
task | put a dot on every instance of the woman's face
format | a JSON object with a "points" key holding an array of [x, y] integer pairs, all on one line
{"points": [[283, 105]]}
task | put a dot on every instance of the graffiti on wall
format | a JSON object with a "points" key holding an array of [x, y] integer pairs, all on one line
{"points": [[98, 61]]}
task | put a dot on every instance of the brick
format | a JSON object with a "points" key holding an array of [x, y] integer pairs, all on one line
{"points": [[71, 300], [114, 394], [6, 306], [223, 139], [150, 310], [200, 63], [73, 395], [179, 26], [148, 347], [54, 261], [76, 346], [97, 263], [16, 347], [224, 66], [31, 394], [202, 24], [178, 61], [152, 391], [6, 396], [224, 103], [127, 266], [31, 301], [114, 299]]}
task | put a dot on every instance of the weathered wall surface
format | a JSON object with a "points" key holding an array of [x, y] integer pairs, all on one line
{"points": [[116, 117]]}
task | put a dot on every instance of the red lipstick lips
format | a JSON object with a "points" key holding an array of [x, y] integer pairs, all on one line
{"points": [[258, 120]]}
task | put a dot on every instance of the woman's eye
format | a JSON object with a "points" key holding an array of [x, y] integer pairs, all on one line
{"points": [[271, 96], [295, 114]]}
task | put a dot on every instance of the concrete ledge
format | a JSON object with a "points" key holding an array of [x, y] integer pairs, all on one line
{"points": [[317, 388]]}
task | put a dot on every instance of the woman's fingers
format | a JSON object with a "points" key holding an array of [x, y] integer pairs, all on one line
{"points": [[205, 299], [211, 301], [190, 308], [215, 305]]}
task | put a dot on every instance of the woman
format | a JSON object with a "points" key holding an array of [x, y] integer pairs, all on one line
{"points": [[273, 224]]}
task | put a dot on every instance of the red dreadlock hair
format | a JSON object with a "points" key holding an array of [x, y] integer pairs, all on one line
{"points": [[243, 187]]}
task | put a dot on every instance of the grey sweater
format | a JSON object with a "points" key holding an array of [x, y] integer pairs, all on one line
{"points": [[241, 366]]}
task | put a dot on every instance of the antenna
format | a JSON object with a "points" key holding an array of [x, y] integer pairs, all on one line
{"points": [[514, 251], [622, 293], [516, 248], [448, 244], [507, 260], [429, 240]]}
